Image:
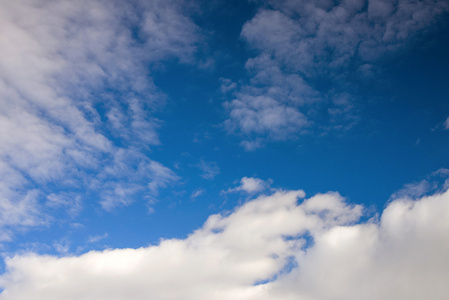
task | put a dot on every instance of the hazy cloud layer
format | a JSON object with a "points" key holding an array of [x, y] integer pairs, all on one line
{"points": [[75, 88], [269, 248], [304, 44]]}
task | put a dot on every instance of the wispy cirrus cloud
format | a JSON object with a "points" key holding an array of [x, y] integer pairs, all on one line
{"points": [[196, 193], [209, 169], [131, 173], [436, 181], [76, 91], [97, 238], [306, 54], [269, 248]]}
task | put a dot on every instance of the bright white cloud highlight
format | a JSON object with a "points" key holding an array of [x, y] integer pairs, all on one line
{"points": [[269, 248], [251, 185]]}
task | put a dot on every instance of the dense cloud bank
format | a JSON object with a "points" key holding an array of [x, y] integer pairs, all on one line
{"points": [[279, 246]]}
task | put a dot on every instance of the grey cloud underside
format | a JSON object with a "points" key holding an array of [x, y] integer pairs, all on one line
{"points": [[303, 42], [69, 70], [270, 248]]}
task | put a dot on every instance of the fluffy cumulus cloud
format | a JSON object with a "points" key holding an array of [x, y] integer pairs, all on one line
{"points": [[74, 88], [273, 247], [251, 185], [303, 44]]}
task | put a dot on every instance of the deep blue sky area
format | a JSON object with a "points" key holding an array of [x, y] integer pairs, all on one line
{"points": [[134, 123]]}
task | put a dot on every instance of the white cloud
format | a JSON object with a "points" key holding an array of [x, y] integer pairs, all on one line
{"points": [[64, 65], [161, 176], [441, 172], [168, 32], [436, 181], [62, 246], [116, 194], [446, 124], [301, 33], [17, 208], [97, 238], [269, 248], [129, 174], [251, 145], [227, 85], [20, 209], [251, 185], [196, 193], [264, 115], [209, 169], [72, 202], [413, 190], [300, 43]]}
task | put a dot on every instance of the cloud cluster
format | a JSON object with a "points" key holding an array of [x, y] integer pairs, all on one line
{"points": [[77, 95], [308, 51], [270, 248]]}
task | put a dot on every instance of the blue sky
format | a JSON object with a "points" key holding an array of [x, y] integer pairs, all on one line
{"points": [[260, 145]]}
